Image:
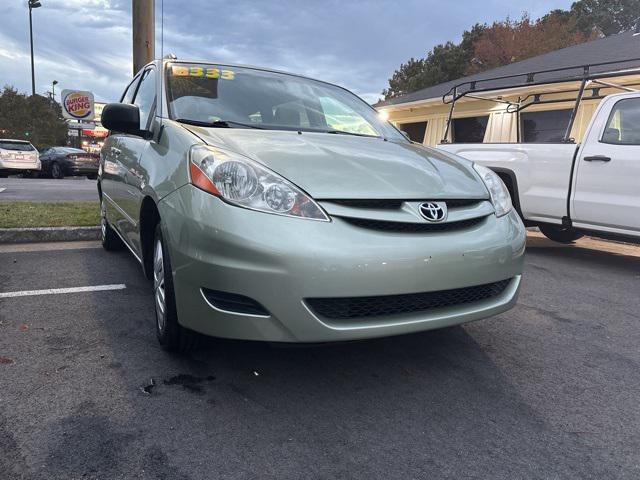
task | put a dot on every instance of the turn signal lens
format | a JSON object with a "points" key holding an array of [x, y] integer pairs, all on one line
{"points": [[245, 183]]}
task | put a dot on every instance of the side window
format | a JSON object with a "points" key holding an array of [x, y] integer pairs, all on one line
{"points": [[623, 126], [127, 96], [145, 97]]}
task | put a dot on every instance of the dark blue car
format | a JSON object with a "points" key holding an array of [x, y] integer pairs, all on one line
{"points": [[58, 162]]}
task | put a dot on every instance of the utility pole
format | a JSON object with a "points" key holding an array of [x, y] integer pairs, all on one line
{"points": [[143, 25], [32, 4]]}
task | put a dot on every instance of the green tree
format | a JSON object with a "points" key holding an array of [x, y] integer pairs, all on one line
{"points": [[34, 118], [443, 63], [503, 42], [607, 16]]}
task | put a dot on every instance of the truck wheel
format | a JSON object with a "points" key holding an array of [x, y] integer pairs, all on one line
{"points": [[560, 234], [171, 335]]}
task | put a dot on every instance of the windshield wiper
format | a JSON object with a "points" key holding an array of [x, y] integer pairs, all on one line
{"points": [[217, 123], [343, 132]]}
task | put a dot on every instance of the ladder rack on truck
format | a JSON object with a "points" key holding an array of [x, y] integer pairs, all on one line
{"points": [[595, 73]]}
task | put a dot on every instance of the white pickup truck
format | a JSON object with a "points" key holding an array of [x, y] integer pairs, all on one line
{"points": [[569, 190]]}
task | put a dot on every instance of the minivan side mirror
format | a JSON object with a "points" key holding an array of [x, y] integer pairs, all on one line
{"points": [[122, 118]]}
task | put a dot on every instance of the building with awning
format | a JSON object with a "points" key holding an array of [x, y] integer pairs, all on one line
{"points": [[527, 101]]}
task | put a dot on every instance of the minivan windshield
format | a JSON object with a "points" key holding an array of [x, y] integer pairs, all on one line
{"points": [[225, 96], [16, 145]]}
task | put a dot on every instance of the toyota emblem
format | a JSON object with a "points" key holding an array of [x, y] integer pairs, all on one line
{"points": [[434, 211]]}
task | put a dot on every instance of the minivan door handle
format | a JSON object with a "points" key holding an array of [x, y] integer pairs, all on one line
{"points": [[597, 158]]}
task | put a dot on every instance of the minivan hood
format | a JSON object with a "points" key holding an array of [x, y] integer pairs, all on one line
{"points": [[335, 166]]}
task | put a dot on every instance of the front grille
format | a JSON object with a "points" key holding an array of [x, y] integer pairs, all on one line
{"points": [[384, 204], [405, 227], [362, 307], [461, 203], [380, 204]]}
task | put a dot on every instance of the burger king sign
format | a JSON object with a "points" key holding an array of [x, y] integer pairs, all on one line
{"points": [[77, 105]]}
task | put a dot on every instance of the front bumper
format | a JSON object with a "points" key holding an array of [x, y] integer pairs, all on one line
{"points": [[280, 261]]}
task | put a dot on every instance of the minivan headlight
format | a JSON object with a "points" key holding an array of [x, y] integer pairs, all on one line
{"points": [[497, 190], [245, 183]]}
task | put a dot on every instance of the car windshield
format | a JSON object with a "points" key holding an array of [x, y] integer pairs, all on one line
{"points": [[252, 98], [16, 145]]}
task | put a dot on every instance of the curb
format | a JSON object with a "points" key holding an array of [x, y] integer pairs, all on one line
{"points": [[48, 234]]}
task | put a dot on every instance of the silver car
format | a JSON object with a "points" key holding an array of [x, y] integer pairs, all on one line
{"points": [[269, 206], [18, 156]]}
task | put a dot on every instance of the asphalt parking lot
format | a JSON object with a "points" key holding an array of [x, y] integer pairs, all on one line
{"points": [[48, 190], [548, 390]]}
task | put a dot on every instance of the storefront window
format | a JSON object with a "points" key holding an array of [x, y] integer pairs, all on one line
{"points": [[544, 127], [469, 129], [415, 130]]}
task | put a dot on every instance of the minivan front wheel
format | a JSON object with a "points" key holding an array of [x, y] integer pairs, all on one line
{"points": [[108, 237], [171, 335]]}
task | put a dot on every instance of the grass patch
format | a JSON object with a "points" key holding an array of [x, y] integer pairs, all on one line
{"points": [[49, 214]]}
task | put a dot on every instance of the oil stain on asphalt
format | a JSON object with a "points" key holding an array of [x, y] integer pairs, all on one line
{"points": [[188, 382]]}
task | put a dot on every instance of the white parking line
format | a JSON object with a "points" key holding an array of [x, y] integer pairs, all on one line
{"points": [[2, 190], [56, 291], [48, 247]]}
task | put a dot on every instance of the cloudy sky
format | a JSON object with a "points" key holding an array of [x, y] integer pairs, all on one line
{"points": [[86, 44]]}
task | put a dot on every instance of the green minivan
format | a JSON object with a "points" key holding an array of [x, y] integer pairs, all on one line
{"points": [[270, 206]]}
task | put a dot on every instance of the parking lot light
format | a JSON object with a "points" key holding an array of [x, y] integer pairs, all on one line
{"points": [[32, 4]]}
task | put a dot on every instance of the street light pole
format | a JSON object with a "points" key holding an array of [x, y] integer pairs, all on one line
{"points": [[53, 89], [32, 4]]}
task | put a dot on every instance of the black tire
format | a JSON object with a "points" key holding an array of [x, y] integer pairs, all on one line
{"points": [[171, 335], [110, 239], [56, 171], [560, 234]]}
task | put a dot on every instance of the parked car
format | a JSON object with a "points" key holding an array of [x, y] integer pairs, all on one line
{"points": [[270, 206], [58, 162], [18, 157], [568, 189]]}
